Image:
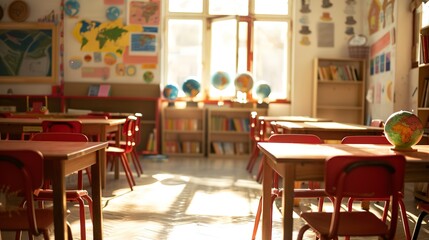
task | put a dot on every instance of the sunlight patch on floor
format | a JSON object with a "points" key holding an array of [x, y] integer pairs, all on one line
{"points": [[221, 203]]}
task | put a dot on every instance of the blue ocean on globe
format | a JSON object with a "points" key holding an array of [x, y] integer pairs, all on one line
{"points": [[191, 87], [170, 92], [220, 80], [263, 90]]}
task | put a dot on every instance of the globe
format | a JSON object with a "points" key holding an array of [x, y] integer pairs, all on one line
{"points": [[403, 129], [263, 90], [170, 92], [220, 80], [244, 82], [71, 8], [191, 87]]}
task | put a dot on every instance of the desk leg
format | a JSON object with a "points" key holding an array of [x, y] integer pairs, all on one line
{"points": [[103, 138], [96, 195], [58, 186], [287, 201], [266, 200]]}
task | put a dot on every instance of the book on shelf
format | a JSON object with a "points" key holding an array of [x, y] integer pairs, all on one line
{"points": [[240, 148], [228, 148], [99, 90], [424, 101], [217, 148], [93, 90], [424, 39]]}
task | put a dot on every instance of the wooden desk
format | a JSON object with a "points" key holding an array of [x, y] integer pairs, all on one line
{"points": [[329, 130], [305, 162], [62, 159], [293, 119], [92, 126]]}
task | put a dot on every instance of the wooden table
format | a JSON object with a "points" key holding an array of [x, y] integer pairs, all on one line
{"points": [[92, 126], [305, 162], [293, 119], [328, 130], [60, 160]]}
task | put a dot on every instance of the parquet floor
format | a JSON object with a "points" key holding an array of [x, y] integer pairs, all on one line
{"points": [[201, 199]]}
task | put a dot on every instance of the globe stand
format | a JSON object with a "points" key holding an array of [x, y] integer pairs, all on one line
{"points": [[404, 149], [171, 104], [191, 104], [261, 105]]}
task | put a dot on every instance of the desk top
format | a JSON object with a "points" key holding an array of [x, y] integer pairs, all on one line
{"points": [[54, 150], [82, 120], [311, 153], [293, 119], [328, 126]]}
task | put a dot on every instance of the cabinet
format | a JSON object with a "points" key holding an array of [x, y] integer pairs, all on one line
{"points": [[183, 132], [228, 131], [339, 89]]}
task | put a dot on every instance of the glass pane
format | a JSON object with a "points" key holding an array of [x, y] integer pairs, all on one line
{"points": [[425, 14], [184, 51], [271, 7], [192, 6], [223, 53], [270, 56], [229, 7]]}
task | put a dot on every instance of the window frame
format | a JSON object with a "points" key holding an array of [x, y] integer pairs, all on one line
{"points": [[206, 44]]}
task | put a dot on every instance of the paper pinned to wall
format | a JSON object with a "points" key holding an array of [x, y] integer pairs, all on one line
{"points": [[325, 34]]}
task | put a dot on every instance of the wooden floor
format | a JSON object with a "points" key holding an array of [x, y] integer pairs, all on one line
{"points": [[204, 199]]}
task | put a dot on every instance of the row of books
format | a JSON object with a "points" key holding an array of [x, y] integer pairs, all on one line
{"points": [[151, 142], [230, 148], [220, 123], [338, 72], [424, 38], [182, 146], [424, 101], [182, 124]]}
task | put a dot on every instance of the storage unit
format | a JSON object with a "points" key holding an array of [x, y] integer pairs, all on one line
{"points": [[183, 131], [228, 131], [339, 90]]}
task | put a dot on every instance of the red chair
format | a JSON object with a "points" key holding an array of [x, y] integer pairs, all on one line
{"points": [[121, 152], [78, 195], [61, 126], [23, 173], [255, 137], [424, 208], [313, 191], [378, 140], [358, 177]]}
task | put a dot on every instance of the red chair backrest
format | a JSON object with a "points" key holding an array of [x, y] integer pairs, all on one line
{"points": [[365, 140], [62, 126], [21, 174], [138, 122], [365, 177], [295, 138], [129, 132], [59, 136]]}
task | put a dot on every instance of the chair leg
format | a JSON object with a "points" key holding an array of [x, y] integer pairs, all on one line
{"points": [[260, 171], [252, 160], [137, 160], [82, 218], [416, 231], [135, 164], [404, 220], [275, 194], [128, 174]]}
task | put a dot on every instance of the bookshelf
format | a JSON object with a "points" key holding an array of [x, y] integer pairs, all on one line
{"points": [[183, 131], [339, 89], [124, 98], [228, 131]]}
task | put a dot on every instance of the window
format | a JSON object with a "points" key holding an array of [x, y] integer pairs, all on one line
{"points": [[203, 37]]}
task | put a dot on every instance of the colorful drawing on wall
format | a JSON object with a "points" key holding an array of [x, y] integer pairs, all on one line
{"points": [[326, 4], [71, 8], [28, 52], [389, 91], [387, 61], [87, 58], [110, 58], [382, 62], [138, 59], [325, 37], [326, 17], [75, 62], [380, 44], [143, 12], [96, 72], [112, 13], [305, 6], [109, 36], [388, 9], [143, 43], [131, 70], [374, 16], [305, 41], [377, 64], [148, 76], [97, 57], [371, 66], [120, 69]]}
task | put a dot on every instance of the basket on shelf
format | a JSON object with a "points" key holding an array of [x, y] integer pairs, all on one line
{"points": [[358, 51]]}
